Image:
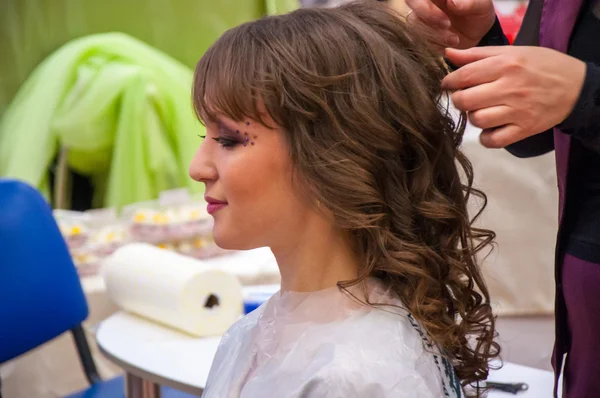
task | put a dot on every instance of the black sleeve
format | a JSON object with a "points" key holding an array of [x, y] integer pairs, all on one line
{"points": [[535, 145], [584, 121], [495, 36]]}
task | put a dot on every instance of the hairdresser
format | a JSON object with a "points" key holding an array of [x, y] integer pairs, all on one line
{"points": [[540, 95]]}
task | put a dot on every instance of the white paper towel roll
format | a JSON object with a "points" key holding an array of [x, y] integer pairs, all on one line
{"points": [[172, 289]]}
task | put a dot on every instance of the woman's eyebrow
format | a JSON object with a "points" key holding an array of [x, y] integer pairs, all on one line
{"points": [[230, 128]]}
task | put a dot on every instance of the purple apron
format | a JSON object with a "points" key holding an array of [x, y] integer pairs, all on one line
{"points": [[556, 25]]}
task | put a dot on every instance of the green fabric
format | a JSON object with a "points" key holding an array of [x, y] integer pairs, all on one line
{"points": [[121, 107], [33, 29]]}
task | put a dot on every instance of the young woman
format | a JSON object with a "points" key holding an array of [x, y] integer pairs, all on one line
{"points": [[328, 142]]}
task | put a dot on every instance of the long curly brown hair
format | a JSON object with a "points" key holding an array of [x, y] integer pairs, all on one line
{"points": [[359, 98]]}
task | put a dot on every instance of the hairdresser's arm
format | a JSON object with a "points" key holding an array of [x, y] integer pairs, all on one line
{"points": [[515, 93], [582, 124], [538, 144], [529, 34]]}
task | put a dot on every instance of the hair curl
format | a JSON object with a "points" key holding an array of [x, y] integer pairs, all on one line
{"points": [[359, 98]]}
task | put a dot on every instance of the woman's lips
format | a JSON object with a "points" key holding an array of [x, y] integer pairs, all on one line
{"points": [[214, 204], [213, 207]]}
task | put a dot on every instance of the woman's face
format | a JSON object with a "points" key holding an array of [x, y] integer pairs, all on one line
{"points": [[247, 171]]}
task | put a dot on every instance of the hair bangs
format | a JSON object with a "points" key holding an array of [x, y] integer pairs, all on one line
{"points": [[230, 78]]}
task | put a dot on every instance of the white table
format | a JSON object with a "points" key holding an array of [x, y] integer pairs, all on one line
{"points": [[153, 355], [540, 382]]}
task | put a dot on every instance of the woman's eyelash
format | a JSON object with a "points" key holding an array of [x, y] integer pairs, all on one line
{"points": [[226, 142], [223, 141]]}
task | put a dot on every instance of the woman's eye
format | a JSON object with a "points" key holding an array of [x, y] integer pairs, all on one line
{"points": [[226, 142]]}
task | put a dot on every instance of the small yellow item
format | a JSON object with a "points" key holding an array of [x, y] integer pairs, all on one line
{"points": [[111, 236], [199, 243], [79, 259], [139, 217], [75, 230], [160, 218]]}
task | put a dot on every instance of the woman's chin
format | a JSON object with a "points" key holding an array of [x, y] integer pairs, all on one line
{"points": [[228, 242]]}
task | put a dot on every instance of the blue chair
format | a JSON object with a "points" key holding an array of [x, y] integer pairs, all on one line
{"points": [[40, 293]]}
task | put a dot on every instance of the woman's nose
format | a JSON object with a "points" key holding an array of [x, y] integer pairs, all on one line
{"points": [[202, 168]]}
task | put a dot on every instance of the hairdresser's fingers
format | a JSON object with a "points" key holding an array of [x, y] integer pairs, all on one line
{"points": [[428, 13], [433, 23], [483, 71], [488, 118], [463, 57], [440, 40], [479, 97], [502, 136]]}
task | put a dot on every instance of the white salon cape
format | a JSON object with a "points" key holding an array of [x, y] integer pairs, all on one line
{"points": [[326, 344]]}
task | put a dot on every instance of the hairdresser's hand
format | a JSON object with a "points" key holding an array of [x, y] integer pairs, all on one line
{"points": [[453, 23], [514, 92]]}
